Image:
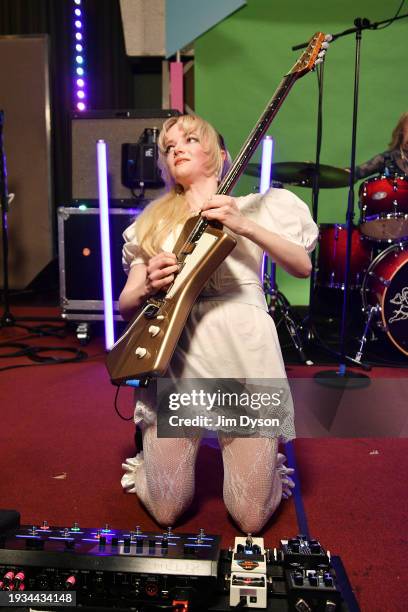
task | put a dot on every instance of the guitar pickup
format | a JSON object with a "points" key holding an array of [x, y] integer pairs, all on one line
{"points": [[199, 232]]}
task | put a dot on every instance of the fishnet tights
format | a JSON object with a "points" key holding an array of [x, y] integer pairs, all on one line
{"points": [[164, 481]]}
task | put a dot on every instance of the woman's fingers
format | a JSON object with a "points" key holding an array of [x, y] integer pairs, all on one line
{"points": [[162, 272], [162, 259]]}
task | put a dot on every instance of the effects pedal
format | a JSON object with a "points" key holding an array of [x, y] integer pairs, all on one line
{"points": [[248, 581]]}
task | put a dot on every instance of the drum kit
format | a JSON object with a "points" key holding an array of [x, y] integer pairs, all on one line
{"points": [[379, 247]]}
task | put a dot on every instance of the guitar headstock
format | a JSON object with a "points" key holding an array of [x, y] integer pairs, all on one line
{"points": [[313, 54]]}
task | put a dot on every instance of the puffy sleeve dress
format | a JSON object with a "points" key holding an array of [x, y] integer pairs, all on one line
{"points": [[229, 333]]}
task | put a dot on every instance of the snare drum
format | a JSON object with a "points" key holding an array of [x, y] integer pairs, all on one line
{"points": [[384, 208], [331, 260], [386, 286]]}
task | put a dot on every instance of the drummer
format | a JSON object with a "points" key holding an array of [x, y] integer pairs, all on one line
{"points": [[394, 160]]}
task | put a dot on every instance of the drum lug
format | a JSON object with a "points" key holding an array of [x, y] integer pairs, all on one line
{"points": [[382, 327]]}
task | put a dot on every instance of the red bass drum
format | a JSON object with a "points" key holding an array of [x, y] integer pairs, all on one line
{"points": [[385, 287]]}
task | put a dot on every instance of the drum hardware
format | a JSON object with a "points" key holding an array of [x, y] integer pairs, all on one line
{"points": [[279, 302], [363, 340]]}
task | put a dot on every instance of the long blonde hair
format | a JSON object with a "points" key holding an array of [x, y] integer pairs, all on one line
{"points": [[163, 215], [397, 133]]}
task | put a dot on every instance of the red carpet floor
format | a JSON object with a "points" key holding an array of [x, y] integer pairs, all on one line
{"points": [[62, 445]]}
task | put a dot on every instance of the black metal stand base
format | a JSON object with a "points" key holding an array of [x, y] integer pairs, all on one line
{"points": [[340, 379]]}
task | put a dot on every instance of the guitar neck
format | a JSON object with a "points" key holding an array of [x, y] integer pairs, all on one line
{"points": [[254, 138]]}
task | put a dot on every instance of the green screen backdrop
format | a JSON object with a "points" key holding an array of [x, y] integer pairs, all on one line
{"points": [[240, 62]]}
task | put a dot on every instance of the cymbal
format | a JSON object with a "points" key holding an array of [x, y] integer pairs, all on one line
{"points": [[301, 174]]}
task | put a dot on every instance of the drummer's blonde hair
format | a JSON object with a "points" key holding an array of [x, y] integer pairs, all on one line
{"points": [[163, 215], [398, 132]]}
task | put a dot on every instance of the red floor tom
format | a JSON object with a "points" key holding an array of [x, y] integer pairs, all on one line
{"points": [[331, 260]]}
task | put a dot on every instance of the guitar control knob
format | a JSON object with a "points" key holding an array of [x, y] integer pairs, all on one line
{"points": [[154, 330], [140, 352], [160, 317]]}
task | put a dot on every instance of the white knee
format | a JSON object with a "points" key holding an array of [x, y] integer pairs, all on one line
{"points": [[252, 517], [167, 511]]}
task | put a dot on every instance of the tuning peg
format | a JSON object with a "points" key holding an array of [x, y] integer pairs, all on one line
{"points": [[328, 38]]}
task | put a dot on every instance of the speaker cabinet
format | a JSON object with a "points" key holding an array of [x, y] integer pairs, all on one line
{"points": [[80, 259], [116, 128]]}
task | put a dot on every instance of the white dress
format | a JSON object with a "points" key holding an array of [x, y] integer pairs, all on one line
{"points": [[229, 333]]}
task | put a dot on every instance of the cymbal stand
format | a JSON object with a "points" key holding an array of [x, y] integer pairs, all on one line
{"points": [[278, 302], [308, 325]]}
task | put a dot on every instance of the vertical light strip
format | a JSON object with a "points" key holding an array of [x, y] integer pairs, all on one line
{"points": [[78, 46], [105, 242], [266, 164], [266, 169]]}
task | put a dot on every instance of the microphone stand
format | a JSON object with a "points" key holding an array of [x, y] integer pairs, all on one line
{"points": [[342, 376], [308, 325]]}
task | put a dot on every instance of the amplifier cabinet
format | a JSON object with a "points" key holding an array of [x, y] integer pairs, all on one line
{"points": [[80, 260], [115, 128]]}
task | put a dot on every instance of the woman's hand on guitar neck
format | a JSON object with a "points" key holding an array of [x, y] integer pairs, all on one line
{"points": [[160, 272], [146, 280], [224, 209]]}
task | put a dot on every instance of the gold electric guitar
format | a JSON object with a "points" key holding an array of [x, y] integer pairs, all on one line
{"points": [[148, 343]]}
